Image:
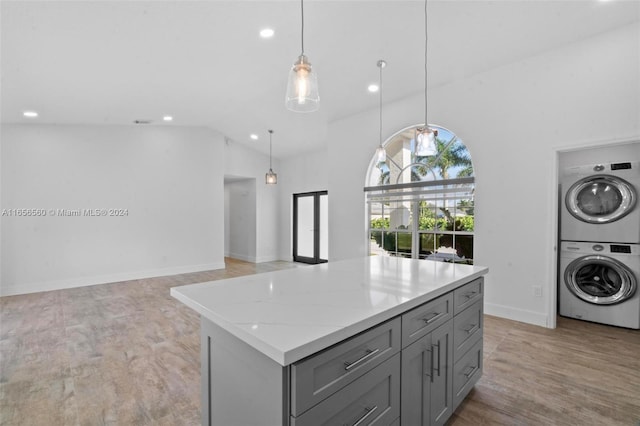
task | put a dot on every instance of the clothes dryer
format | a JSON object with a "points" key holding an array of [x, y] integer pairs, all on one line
{"points": [[599, 282], [600, 203]]}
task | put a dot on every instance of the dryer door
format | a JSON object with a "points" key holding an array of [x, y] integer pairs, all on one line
{"points": [[600, 280], [600, 199]]}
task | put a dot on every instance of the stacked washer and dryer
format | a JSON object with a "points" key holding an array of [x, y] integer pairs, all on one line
{"points": [[599, 264]]}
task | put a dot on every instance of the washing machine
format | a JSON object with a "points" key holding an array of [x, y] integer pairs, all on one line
{"points": [[599, 282], [600, 203]]}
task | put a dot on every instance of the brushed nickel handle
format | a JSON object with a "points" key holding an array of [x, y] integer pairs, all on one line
{"points": [[470, 294], [434, 317], [438, 345], [367, 414], [471, 329], [349, 365], [472, 371], [431, 364]]}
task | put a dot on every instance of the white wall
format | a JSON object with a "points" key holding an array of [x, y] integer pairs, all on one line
{"points": [[513, 120], [241, 161], [166, 178], [241, 209], [304, 173]]}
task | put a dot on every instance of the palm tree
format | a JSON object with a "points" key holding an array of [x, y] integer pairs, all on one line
{"points": [[451, 153]]}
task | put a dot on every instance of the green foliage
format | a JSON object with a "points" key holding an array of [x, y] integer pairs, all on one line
{"points": [[451, 154], [428, 221], [464, 223], [380, 223], [466, 206]]}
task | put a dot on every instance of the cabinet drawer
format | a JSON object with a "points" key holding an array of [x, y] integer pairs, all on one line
{"points": [[467, 295], [373, 399], [315, 378], [467, 329], [425, 318], [466, 372]]}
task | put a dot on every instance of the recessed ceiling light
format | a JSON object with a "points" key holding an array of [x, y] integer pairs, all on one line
{"points": [[373, 88], [254, 136], [167, 118], [30, 114], [267, 33]]}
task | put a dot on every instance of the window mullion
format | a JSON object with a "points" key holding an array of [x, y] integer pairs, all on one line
{"points": [[415, 225]]}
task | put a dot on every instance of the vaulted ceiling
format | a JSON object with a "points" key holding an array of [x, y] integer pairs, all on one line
{"points": [[203, 62]]}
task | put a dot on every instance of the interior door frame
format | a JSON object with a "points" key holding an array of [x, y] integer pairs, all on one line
{"points": [[316, 228]]}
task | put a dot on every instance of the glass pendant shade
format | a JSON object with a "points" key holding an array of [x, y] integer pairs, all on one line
{"points": [[271, 178], [381, 154], [302, 89], [426, 142]]}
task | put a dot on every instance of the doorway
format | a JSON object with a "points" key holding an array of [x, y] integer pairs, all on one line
{"points": [[240, 218], [310, 227]]}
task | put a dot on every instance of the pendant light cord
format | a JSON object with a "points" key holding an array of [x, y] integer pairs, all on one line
{"points": [[380, 65], [270, 134], [426, 124], [302, 31]]}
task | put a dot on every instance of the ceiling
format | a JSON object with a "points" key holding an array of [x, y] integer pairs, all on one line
{"points": [[203, 62]]}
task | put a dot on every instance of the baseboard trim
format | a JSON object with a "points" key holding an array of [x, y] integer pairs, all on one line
{"points": [[253, 259], [522, 315], [36, 287], [243, 257]]}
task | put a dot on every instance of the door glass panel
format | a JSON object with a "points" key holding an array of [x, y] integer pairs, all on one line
{"points": [[324, 227], [598, 280], [305, 226], [599, 199]]}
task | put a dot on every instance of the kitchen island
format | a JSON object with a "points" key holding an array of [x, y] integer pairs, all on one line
{"points": [[338, 343]]}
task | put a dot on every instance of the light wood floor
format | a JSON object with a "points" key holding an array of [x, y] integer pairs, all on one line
{"points": [[128, 354]]}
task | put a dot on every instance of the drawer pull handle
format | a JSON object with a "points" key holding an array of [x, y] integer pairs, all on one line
{"points": [[349, 365], [367, 414], [471, 372], [470, 294], [471, 329], [431, 365], [438, 345], [434, 317]]}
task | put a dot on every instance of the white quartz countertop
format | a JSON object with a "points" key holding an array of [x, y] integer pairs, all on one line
{"points": [[290, 314]]}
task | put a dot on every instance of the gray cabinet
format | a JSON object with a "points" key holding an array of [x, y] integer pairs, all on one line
{"points": [[427, 378], [440, 367], [411, 370]]}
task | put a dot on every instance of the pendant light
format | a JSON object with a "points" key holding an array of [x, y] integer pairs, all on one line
{"points": [[425, 140], [302, 89], [381, 154], [270, 178]]}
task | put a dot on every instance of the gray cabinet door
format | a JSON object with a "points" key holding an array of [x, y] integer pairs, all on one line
{"points": [[416, 383], [427, 379], [442, 384]]}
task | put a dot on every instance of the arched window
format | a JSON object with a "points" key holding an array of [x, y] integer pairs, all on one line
{"points": [[422, 206]]}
